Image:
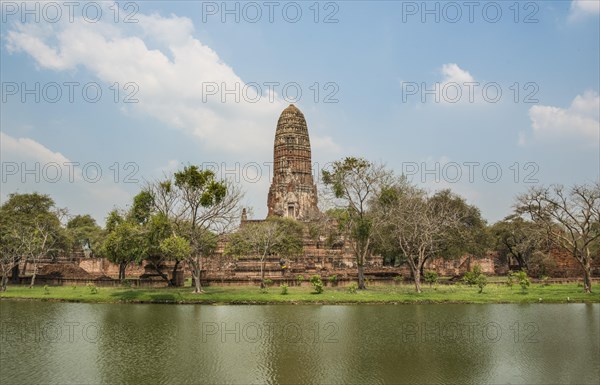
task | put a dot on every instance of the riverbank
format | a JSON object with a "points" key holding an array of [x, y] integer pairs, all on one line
{"points": [[301, 295]]}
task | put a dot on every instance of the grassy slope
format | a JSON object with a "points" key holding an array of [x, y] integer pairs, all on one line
{"points": [[250, 294]]}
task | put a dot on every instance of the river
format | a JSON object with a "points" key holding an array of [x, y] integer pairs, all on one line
{"points": [[71, 343]]}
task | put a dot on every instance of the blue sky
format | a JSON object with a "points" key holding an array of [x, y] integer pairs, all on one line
{"points": [[378, 67]]}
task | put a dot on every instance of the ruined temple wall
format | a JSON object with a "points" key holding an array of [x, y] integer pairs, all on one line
{"points": [[102, 266]]}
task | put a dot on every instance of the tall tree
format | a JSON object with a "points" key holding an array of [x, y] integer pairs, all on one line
{"points": [[571, 216], [355, 183], [470, 235], [200, 208], [274, 236], [31, 224], [420, 226], [156, 230], [124, 243], [85, 234], [11, 248], [514, 237]]}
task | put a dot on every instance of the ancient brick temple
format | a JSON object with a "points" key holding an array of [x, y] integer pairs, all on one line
{"points": [[293, 192]]}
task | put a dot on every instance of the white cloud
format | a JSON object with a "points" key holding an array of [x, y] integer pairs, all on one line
{"points": [[581, 9], [453, 73], [580, 121], [172, 69], [29, 166], [457, 87], [21, 149]]}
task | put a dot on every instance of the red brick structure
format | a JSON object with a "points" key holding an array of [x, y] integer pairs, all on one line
{"points": [[293, 192]]}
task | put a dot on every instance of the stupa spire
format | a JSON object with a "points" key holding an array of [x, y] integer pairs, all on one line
{"points": [[293, 192]]}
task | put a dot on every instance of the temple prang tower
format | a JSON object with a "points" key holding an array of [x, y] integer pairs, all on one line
{"points": [[293, 192]]}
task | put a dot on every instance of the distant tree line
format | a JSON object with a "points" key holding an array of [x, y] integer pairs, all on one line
{"points": [[182, 217]]}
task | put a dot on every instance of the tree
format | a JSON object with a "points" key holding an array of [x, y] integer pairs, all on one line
{"points": [[518, 238], [210, 207], [175, 247], [32, 228], [141, 210], [470, 235], [156, 231], [199, 207], [10, 248], [124, 243], [355, 182], [274, 236], [421, 226], [84, 234], [571, 216]]}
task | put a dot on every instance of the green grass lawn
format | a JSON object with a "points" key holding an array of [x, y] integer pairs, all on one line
{"points": [[560, 293]]}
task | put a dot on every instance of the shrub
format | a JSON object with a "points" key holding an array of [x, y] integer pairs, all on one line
{"points": [[475, 278], [317, 283], [93, 288], [481, 282], [332, 278], [470, 277], [523, 280], [545, 280], [398, 278], [352, 288], [299, 279], [46, 290], [267, 282], [74, 287], [431, 277], [284, 289]]}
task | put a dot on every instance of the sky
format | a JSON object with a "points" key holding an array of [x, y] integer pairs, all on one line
{"points": [[485, 98]]}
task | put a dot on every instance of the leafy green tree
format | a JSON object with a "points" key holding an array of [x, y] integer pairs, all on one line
{"points": [[175, 247], [113, 220], [355, 183], [31, 227], [208, 207], [125, 244], [142, 208], [11, 248], [274, 236], [199, 208], [514, 237], [85, 234], [470, 235], [156, 230]]}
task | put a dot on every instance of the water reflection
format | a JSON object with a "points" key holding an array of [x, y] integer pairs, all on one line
{"points": [[200, 344]]}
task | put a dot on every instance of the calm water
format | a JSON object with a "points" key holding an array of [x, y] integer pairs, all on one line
{"points": [[66, 343]]}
